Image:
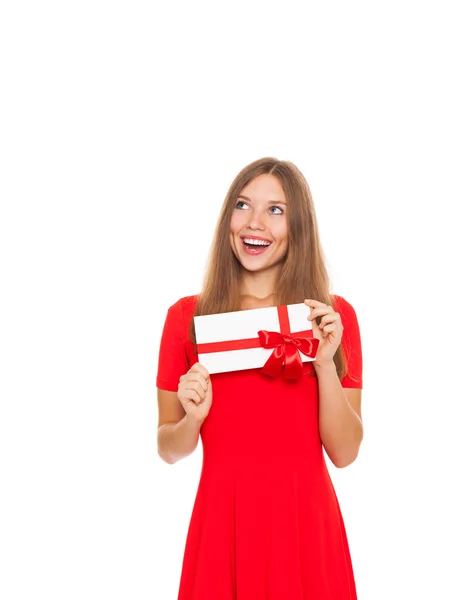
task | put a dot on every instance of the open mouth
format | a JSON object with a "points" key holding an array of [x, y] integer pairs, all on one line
{"points": [[255, 246]]}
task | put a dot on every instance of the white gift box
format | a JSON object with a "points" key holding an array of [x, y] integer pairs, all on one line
{"points": [[233, 341]]}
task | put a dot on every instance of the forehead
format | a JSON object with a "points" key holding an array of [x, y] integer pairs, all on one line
{"points": [[264, 187]]}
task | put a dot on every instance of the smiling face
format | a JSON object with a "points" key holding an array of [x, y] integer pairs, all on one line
{"points": [[258, 229]]}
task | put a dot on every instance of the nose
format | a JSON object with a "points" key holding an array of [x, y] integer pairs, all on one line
{"points": [[255, 220]]}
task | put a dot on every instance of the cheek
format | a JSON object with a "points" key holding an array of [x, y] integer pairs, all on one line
{"points": [[237, 221], [280, 232]]}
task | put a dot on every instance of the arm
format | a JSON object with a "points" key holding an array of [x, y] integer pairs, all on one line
{"points": [[177, 432], [339, 416], [182, 413], [340, 423]]}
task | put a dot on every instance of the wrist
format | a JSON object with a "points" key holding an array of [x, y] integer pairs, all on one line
{"points": [[192, 422], [327, 366]]}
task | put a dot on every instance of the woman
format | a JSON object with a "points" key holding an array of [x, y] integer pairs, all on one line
{"points": [[266, 523]]}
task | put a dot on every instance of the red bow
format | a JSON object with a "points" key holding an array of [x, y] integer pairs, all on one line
{"points": [[286, 352]]}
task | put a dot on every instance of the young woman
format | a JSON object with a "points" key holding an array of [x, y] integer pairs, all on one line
{"points": [[266, 522]]}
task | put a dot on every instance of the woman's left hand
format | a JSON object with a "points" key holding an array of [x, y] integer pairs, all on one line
{"points": [[329, 331]]}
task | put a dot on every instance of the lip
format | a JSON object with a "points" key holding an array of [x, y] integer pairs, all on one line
{"points": [[255, 251], [255, 237]]}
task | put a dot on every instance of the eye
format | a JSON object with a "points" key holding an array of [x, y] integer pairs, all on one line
{"points": [[277, 208], [240, 202]]}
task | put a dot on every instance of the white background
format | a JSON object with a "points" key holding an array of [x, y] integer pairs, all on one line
{"points": [[122, 127]]}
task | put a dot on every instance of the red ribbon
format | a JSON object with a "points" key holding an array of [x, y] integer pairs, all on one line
{"points": [[286, 347], [286, 352]]}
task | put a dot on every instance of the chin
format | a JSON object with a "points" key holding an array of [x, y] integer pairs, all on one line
{"points": [[259, 267]]}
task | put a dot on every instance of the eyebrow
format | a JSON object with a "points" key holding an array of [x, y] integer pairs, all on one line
{"points": [[270, 201]]}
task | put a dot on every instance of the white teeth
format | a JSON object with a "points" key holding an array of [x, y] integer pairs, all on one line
{"points": [[256, 242]]}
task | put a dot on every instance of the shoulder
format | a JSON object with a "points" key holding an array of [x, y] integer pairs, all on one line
{"points": [[351, 344], [186, 304], [347, 313], [184, 308], [178, 320], [342, 305]]}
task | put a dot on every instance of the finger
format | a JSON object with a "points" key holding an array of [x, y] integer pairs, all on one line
{"points": [[200, 369], [332, 328], [311, 302], [194, 386], [195, 376], [321, 310], [197, 386], [202, 381], [192, 396], [329, 318]]}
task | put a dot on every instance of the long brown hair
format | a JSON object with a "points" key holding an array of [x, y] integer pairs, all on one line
{"points": [[303, 273]]}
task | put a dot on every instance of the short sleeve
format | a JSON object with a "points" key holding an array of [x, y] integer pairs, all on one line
{"points": [[351, 344], [173, 361]]}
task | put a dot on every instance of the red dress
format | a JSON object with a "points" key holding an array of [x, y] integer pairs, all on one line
{"points": [[266, 522]]}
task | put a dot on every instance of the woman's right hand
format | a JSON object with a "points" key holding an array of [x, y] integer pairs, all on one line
{"points": [[195, 392]]}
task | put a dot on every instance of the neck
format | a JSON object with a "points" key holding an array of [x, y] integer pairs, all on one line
{"points": [[259, 285]]}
